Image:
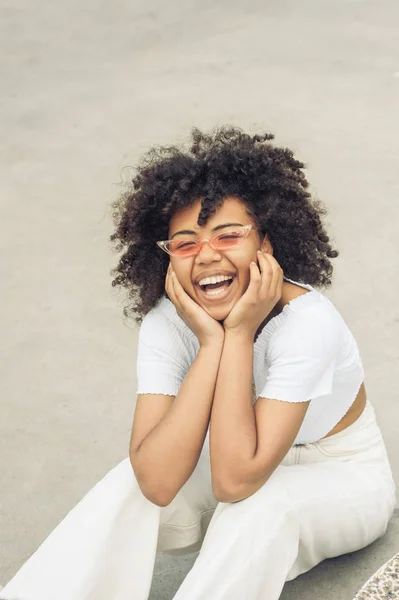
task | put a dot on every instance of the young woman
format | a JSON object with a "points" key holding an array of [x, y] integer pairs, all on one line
{"points": [[253, 440]]}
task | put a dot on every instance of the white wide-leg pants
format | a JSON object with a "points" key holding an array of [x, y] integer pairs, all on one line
{"points": [[325, 499]]}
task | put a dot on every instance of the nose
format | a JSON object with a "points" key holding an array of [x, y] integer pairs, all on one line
{"points": [[207, 253]]}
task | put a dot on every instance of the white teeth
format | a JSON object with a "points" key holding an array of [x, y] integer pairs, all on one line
{"points": [[215, 279], [215, 292]]}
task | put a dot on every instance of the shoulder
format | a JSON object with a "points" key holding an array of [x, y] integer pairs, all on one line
{"points": [[304, 350], [309, 323], [311, 307], [162, 326], [163, 354]]}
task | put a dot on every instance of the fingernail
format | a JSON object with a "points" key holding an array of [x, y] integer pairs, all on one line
{"points": [[259, 251]]}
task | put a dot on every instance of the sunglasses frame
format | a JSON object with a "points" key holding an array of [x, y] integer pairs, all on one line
{"points": [[247, 228]]}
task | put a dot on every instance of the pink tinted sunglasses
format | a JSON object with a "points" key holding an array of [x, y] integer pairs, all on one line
{"points": [[231, 238]]}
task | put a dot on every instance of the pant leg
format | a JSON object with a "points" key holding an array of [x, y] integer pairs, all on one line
{"points": [[359, 454], [103, 549], [313, 507], [184, 522]]}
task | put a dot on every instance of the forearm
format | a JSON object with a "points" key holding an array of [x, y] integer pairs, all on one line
{"points": [[171, 451], [233, 432]]}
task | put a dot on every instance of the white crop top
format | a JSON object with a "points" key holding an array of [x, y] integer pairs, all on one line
{"points": [[304, 353]]}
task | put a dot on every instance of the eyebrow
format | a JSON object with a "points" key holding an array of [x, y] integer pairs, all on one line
{"points": [[214, 229]]}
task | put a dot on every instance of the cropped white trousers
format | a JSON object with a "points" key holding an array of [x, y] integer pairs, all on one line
{"points": [[325, 499]]}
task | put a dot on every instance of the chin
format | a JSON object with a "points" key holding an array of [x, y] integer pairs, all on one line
{"points": [[219, 313]]}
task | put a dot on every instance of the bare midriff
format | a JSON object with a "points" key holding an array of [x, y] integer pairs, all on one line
{"points": [[353, 413]]}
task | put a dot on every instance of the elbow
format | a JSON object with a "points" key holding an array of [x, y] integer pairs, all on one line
{"points": [[220, 496], [155, 498], [223, 492], [225, 496], [155, 494], [228, 492], [152, 491]]}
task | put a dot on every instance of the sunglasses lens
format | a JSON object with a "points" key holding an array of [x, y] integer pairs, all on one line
{"points": [[182, 247], [228, 240]]}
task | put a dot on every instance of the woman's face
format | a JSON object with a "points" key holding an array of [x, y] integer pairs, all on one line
{"points": [[208, 262]]}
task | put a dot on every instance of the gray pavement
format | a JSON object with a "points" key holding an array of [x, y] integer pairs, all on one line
{"points": [[86, 89]]}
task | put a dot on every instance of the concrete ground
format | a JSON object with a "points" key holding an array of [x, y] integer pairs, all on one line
{"points": [[87, 88]]}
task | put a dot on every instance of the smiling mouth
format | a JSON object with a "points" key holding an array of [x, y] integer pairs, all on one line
{"points": [[216, 291]]}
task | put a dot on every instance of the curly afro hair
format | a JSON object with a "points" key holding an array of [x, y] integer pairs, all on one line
{"points": [[226, 162]]}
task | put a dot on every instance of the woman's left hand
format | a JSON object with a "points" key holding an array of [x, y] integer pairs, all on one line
{"points": [[263, 293]]}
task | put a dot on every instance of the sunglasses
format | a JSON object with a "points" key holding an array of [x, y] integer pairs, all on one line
{"points": [[231, 238]]}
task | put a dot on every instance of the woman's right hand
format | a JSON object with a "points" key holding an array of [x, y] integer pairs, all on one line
{"points": [[207, 330]]}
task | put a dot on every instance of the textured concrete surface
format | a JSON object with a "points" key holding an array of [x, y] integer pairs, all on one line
{"points": [[86, 89]]}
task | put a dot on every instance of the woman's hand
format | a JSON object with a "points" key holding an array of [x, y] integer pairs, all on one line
{"points": [[263, 293], [208, 330]]}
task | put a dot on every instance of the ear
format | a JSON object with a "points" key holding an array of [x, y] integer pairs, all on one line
{"points": [[267, 246]]}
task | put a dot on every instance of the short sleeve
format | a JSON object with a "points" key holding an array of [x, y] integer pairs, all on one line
{"points": [[302, 355], [161, 360]]}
